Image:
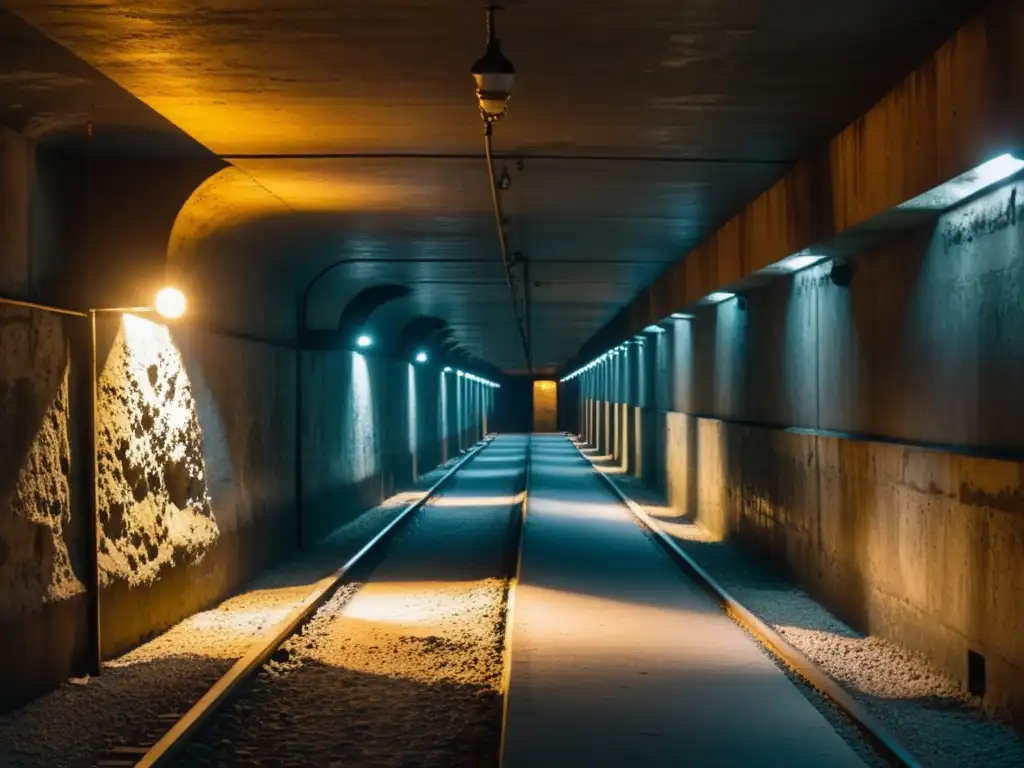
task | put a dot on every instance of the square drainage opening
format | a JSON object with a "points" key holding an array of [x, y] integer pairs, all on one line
{"points": [[975, 673]]}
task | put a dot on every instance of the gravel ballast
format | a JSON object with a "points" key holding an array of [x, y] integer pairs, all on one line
{"points": [[404, 668], [925, 711], [78, 724]]}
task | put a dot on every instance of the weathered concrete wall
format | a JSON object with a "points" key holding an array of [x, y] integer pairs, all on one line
{"points": [[959, 108], [370, 425], [197, 461], [196, 439], [42, 603], [864, 438], [917, 545]]}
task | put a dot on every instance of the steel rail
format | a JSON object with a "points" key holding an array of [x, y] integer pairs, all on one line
{"points": [[880, 738], [171, 745], [510, 604]]}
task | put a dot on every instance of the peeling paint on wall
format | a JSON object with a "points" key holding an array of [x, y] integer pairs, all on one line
{"points": [[155, 509]]}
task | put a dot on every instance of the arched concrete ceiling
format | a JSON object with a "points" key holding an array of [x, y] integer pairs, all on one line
{"points": [[353, 133]]}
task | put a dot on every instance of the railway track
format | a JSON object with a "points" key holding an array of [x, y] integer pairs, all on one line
{"points": [[455, 549], [225, 728], [883, 742]]}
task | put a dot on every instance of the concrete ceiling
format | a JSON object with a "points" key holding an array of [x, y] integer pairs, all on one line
{"points": [[641, 126]]}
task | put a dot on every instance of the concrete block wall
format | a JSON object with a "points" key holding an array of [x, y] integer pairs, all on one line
{"points": [[863, 439]]}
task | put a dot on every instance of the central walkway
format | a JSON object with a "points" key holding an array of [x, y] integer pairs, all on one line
{"points": [[619, 660]]}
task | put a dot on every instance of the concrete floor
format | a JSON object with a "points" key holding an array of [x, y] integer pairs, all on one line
{"points": [[618, 659]]}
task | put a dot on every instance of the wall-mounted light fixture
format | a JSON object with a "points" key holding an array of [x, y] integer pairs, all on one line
{"points": [[965, 185], [363, 341], [170, 303], [718, 297], [795, 263], [421, 357]]}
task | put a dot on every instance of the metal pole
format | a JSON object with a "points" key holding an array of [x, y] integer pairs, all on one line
{"points": [[93, 522], [7, 301], [300, 330]]}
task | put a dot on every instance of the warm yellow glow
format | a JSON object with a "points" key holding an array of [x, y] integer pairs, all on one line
{"points": [[408, 608], [406, 497], [170, 303], [475, 501]]}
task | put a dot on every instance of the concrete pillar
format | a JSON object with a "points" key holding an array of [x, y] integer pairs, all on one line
{"points": [[449, 416], [591, 409], [615, 386], [636, 384], [604, 412], [657, 383], [628, 408]]}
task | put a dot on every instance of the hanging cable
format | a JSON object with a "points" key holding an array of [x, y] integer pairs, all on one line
{"points": [[494, 75], [504, 247]]}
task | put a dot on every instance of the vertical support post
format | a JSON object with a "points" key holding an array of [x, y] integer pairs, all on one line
{"points": [[300, 326], [93, 523]]}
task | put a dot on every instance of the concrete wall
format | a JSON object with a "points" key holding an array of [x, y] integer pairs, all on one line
{"points": [[42, 601], [371, 425], [197, 432], [196, 473], [864, 438]]}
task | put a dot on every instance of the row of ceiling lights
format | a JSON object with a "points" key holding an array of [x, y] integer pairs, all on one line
{"points": [[365, 341], [946, 195], [789, 265], [943, 197], [471, 377]]}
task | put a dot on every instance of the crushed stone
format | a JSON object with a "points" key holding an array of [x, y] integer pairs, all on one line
{"points": [[77, 724], [925, 710], [403, 669]]}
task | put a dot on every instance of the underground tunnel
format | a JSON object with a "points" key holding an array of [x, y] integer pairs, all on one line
{"points": [[443, 384]]}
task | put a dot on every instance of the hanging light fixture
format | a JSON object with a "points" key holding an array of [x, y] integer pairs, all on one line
{"points": [[494, 75]]}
